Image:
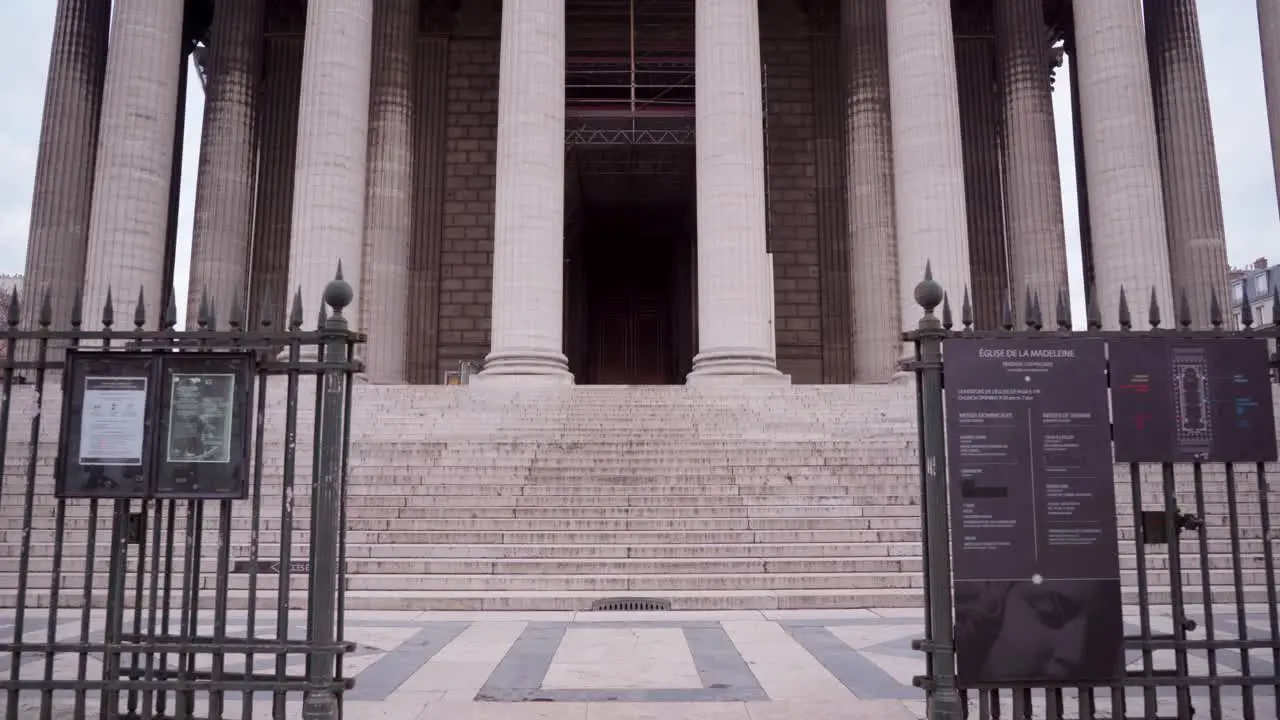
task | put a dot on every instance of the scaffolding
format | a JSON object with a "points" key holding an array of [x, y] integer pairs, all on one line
{"points": [[629, 77]]}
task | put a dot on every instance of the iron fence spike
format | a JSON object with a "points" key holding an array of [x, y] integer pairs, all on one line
{"points": [[266, 311], [946, 311], [1246, 311], [295, 312], [213, 315], [1153, 310], [171, 310], [77, 307], [1026, 306], [236, 320], [1126, 320], [1215, 310], [46, 309], [140, 309], [966, 309], [1006, 313], [1037, 314], [15, 307], [1062, 311], [338, 274], [202, 314], [108, 310], [1184, 311], [928, 270]]}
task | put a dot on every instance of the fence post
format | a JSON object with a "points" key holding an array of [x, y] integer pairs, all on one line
{"points": [[321, 703], [943, 700]]}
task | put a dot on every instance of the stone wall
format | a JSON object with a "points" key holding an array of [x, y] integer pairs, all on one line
{"points": [[466, 257], [467, 247]]}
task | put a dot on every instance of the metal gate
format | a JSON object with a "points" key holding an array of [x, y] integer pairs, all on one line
{"points": [[177, 605], [1201, 634]]}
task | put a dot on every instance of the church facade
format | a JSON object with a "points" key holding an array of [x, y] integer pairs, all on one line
{"points": [[628, 191]]}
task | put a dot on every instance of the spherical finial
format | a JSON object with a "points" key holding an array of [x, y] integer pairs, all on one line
{"points": [[337, 292], [928, 294]]}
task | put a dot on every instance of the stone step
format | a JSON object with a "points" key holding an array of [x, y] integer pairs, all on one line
{"points": [[78, 537], [624, 583]]}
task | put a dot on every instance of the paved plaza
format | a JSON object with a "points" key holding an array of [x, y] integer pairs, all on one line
{"points": [[772, 665]]}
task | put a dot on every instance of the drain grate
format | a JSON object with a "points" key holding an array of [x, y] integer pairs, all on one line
{"points": [[630, 604]]}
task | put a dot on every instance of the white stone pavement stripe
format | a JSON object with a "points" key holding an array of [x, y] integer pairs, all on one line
{"points": [[725, 676], [861, 676], [382, 678]]}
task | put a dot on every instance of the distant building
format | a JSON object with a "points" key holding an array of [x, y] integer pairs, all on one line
{"points": [[1259, 281], [9, 283]]}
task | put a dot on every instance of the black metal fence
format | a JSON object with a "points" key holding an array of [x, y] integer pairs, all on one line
{"points": [[153, 607], [1201, 631]]}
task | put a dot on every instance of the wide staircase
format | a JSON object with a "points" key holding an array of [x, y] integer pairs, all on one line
{"points": [[467, 498]]}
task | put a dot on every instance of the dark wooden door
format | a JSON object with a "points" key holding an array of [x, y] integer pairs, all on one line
{"points": [[631, 325]]}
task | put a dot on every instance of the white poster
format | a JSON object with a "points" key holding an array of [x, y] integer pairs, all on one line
{"points": [[113, 421]]}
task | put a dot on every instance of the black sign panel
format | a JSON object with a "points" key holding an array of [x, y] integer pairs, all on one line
{"points": [[105, 440], [1188, 400], [1033, 533], [204, 436]]}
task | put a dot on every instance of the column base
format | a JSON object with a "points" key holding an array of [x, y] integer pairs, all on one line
{"points": [[735, 367], [524, 367]]}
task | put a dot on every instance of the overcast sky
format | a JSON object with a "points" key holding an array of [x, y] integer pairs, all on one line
{"points": [[1229, 29]]}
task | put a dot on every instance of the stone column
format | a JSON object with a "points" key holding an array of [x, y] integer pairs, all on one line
{"points": [[333, 144], [134, 160], [528, 242], [278, 143], [928, 165], [227, 173], [430, 144], [63, 195], [1126, 206], [983, 185], [388, 223], [1184, 131], [1269, 32], [734, 322], [873, 254], [1034, 232]]}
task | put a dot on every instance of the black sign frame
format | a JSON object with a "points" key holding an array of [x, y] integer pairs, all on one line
{"points": [[130, 387], [1185, 400], [117, 376], [225, 475], [1027, 427]]}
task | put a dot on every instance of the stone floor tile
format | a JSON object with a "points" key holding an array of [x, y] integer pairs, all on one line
{"points": [[785, 670], [591, 658], [668, 711], [845, 709], [467, 662], [468, 710]]}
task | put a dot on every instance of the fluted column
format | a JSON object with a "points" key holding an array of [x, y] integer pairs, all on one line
{"points": [[1188, 159], [227, 173], [528, 235], [62, 200], [873, 254], [333, 143], [1269, 34], [928, 165], [1034, 233], [278, 144], [734, 315], [984, 194], [1126, 206], [388, 224], [135, 158]]}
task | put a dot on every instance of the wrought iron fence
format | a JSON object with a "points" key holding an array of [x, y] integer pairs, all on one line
{"points": [[122, 604], [1196, 547]]}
